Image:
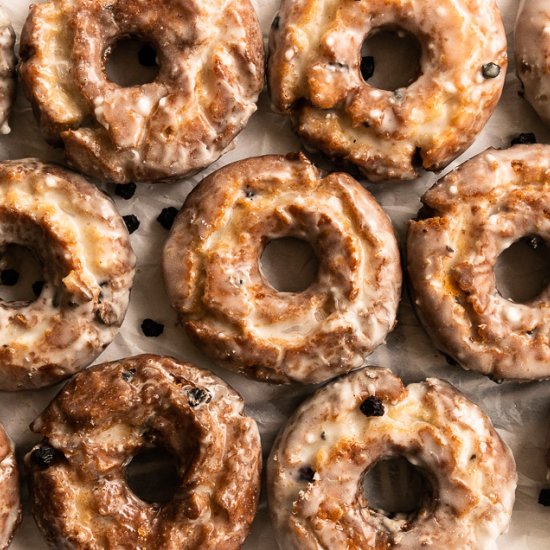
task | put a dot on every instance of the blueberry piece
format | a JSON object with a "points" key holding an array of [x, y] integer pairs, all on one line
{"points": [[372, 406], [544, 497], [132, 223], [490, 70], [126, 191], [306, 473], [167, 216], [197, 396], [151, 328], [147, 56], [524, 138], [9, 277], [127, 375], [44, 456], [367, 67], [37, 287]]}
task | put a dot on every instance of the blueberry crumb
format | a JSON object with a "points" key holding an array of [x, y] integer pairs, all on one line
{"points": [[132, 222], [44, 456], [524, 138], [372, 406], [37, 287], [167, 216], [490, 70], [151, 328], [323, 436], [9, 277], [306, 473], [147, 56], [449, 249], [367, 67], [127, 375], [126, 191], [544, 497], [198, 396]]}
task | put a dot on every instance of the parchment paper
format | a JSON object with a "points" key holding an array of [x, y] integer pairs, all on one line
{"points": [[520, 412]]}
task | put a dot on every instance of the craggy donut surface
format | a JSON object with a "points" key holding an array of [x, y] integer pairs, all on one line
{"points": [[314, 75], [470, 217], [316, 468], [88, 265], [10, 507], [107, 414], [532, 50], [211, 71], [215, 283], [7, 70]]}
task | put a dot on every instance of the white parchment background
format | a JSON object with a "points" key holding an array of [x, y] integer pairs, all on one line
{"points": [[520, 412]]}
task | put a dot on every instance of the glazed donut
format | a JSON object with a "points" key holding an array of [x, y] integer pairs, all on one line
{"points": [[532, 48], [10, 506], [7, 70], [317, 465], [106, 415], [314, 75], [210, 54], [469, 218], [83, 246], [215, 283]]}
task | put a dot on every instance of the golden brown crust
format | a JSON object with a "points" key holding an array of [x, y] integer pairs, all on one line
{"points": [[211, 72], [106, 415], [10, 505], [314, 75], [214, 281]]}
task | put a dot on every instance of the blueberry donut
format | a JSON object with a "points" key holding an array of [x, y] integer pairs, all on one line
{"points": [[111, 412], [532, 47], [314, 76], [76, 233], [210, 54], [469, 218], [7, 70], [10, 506], [318, 463], [215, 283]]}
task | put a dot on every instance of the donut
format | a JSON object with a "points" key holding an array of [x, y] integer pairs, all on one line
{"points": [[210, 54], [314, 75], [7, 70], [319, 460], [215, 283], [76, 233], [10, 506], [109, 413], [532, 44], [469, 218]]}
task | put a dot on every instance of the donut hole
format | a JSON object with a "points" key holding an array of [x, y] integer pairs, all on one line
{"points": [[390, 58], [522, 270], [395, 487], [21, 274], [131, 61], [289, 264], [152, 475]]}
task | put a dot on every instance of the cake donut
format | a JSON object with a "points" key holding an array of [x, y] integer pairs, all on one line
{"points": [[319, 460], [10, 506], [469, 218], [7, 70], [314, 75], [532, 47], [215, 283], [76, 233], [210, 54], [109, 413]]}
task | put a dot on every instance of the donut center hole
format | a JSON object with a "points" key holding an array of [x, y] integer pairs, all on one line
{"points": [[522, 271], [152, 475], [131, 62], [21, 274], [390, 58], [289, 264], [394, 486]]}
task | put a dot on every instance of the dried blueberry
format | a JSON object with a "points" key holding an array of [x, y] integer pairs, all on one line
{"points": [[132, 222], [37, 287], [372, 406], [249, 194], [198, 396], [9, 277], [44, 456], [127, 375], [367, 67], [167, 216], [151, 328], [524, 138], [126, 190], [147, 56], [490, 70], [544, 497], [306, 473]]}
